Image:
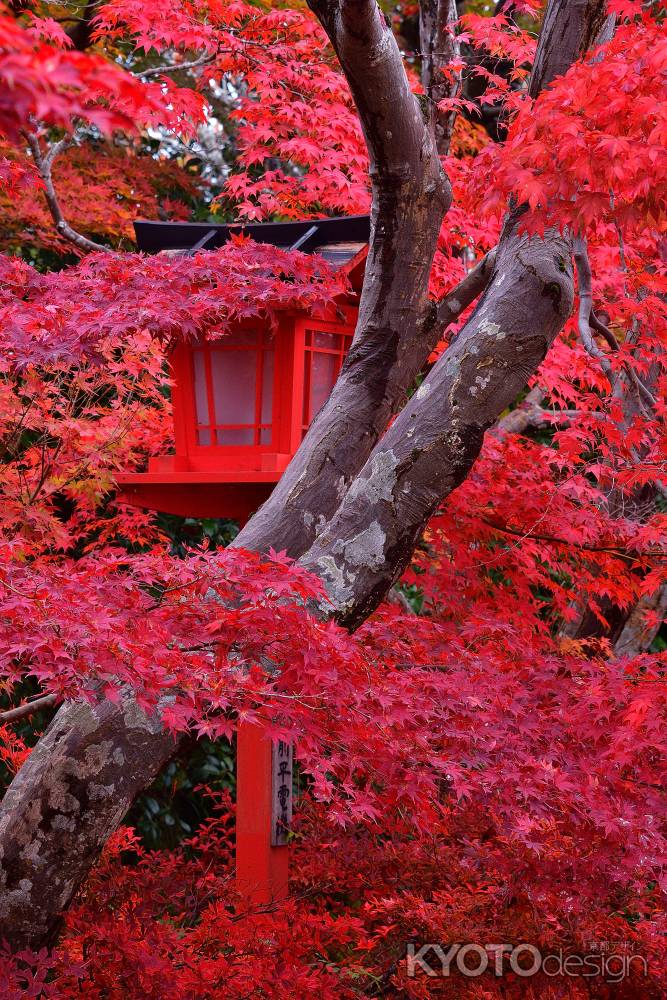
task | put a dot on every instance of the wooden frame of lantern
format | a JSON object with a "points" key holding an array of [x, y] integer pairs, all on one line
{"points": [[242, 404], [224, 467]]}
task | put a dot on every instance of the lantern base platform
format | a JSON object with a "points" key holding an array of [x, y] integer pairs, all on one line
{"points": [[198, 494]]}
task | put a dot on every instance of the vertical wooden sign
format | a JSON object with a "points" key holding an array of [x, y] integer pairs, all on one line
{"points": [[281, 792], [264, 781]]}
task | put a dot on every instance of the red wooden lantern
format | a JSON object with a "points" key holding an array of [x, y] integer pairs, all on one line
{"points": [[243, 403], [241, 407]]}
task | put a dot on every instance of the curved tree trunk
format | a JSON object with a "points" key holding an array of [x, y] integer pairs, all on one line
{"points": [[431, 446]]}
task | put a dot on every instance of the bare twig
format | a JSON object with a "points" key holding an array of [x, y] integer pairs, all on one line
{"points": [[44, 163], [175, 67], [615, 550], [29, 708], [586, 307]]}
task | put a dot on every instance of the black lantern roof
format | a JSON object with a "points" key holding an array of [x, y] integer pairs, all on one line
{"points": [[337, 240]]}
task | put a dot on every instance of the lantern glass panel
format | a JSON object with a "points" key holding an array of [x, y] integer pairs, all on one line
{"points": [[201, 398], [327, 341], [266, 414], [325, 353], [323, 372], [234, 374], [233, 388]]}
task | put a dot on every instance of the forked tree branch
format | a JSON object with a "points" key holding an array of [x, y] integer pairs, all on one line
{"points": [[433, 443], [44, 163], [431, 446]]}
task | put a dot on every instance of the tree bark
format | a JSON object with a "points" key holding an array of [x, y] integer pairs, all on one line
{"points": [[637, 634], [64, 803], [84, 774], [570, 28]]}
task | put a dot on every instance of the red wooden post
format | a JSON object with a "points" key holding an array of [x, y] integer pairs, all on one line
{"points": [[261, 870]]}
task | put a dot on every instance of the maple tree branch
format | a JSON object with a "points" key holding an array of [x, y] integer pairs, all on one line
{"points": [[642, 390], [623, 553], [29, 708], [588, 319], [569, 29], [395, 329], [175, 67], [43, 163], [528, 413], [643, 624], [531, 413], [604, 331], [457, 300], [432, 444]]}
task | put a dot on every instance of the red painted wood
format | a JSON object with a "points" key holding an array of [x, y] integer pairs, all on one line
{"points": [[234, 480], [235, 500], [261, 870]]}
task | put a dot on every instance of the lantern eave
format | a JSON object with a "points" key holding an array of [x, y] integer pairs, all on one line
{"points": [[219, 476], [198, 494]]}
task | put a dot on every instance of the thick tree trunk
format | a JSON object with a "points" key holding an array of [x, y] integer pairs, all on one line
{"points": [[91, 763], [63, 805], [431, 446]]}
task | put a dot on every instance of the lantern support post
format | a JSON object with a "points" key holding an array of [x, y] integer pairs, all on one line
{"points": [[262, 865]]}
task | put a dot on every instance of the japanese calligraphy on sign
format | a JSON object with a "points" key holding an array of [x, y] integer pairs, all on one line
{"points": [[281, 792]]}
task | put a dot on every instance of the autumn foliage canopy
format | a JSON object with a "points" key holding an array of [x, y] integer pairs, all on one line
{"points": [[475, 766]]}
